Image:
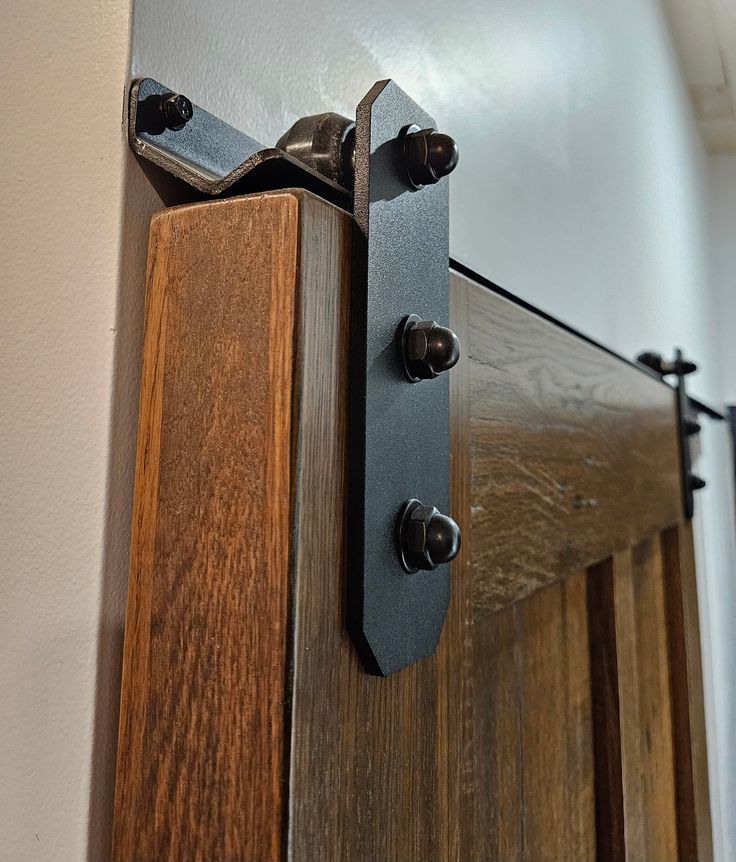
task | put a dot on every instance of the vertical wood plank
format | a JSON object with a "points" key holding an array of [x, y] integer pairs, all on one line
{"points": [[607, 733], [694, 830], [644, 694], [581, 838], [498, 767], [543, 725], [533, 729], [556, 732], [200, 763], [320, 444], [633, 765], [459, 753]]}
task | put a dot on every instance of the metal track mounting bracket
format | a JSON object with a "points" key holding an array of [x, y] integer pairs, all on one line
{"points": [[688, 410], [388, 168]]}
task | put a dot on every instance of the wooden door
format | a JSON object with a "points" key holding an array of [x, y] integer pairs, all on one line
{"points": [[561, 717]]}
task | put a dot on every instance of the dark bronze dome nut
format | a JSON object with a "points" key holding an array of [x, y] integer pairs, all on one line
{"points": [[427, 538], [427, 348], [430, 155]]}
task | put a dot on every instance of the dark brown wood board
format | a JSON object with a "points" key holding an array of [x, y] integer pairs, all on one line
{"points": [[572, 452], [561, 717]]}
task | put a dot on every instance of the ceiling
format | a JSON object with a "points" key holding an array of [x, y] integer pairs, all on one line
{"points": [[704, 32]]}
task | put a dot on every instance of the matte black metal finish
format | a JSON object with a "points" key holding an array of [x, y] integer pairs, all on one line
{"points": [[210, 155], [399, 438], [687, 413], [731, 413], [696, 483], [663, 367], [691, 482], [691, 426]]}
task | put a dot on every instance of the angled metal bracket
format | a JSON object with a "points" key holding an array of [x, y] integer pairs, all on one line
{"points": [[388, 167], [688, 410], [209, 155]]}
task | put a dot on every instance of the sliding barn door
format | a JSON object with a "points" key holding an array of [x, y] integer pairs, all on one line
{"points": [[561, 717]]}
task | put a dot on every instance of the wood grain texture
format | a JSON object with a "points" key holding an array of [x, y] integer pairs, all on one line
{"points": [[644, 695], [611, 837], [496, 771], [201, 763], [365, 751], [249, 730], [572, 452], [694, 830], [556, 730], [458, 691], [454, 758]]}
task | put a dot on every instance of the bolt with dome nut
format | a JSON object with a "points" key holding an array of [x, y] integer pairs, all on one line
{"points": [[427, 538], [430, 155], [427, 349]]}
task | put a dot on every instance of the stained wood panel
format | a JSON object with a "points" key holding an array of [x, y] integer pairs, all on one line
{"points": [[644, 694], [201, 757], [645, 788], [572, 452], [368, 765], [611, 831], [471, 756], [555, 714], [694, 831], [547, 726]]}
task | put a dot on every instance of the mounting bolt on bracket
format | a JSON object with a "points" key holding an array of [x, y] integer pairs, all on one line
{"points": [[687, 411], [389, 169]]}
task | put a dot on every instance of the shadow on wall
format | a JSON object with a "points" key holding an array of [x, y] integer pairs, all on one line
{"points": [[145, 191]]}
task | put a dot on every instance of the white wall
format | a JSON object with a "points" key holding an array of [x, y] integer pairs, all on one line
{"points": [[582, 184], [722, 585], [723, 238], [63, 521]]}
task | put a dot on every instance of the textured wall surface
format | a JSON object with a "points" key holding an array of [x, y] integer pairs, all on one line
{"points": [[63, 544]]}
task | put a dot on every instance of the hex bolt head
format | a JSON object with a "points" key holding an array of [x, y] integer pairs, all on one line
{"points": [[430, 155], [427, 348], [427, 538], [177, 111]]}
